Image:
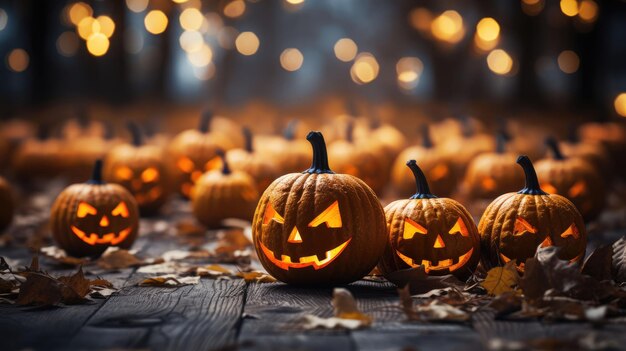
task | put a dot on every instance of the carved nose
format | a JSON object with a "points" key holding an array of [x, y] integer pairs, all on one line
{"points": [[104, 222], [294, 237], [439, 242]]}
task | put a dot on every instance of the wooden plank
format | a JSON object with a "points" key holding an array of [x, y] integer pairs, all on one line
{"points": [[196, 317]]}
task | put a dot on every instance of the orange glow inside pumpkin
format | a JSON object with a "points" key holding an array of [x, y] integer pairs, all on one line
{"points": [[84, 209]]}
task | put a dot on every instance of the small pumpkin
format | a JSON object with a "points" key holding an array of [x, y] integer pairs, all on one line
{"points": [[288, 153], [318, 227], [193, 152], [225, 193], [575, 178], [359, 160], [612, 136], [593, 152], [493, 173], [140, 169], [515, 224], [435, 165], [438, 234], [6, 199], [247, 160], [40, 157], [88, 218], [462, 148]]}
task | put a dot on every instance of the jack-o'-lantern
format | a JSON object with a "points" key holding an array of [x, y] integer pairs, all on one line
{"points": [[223, 193], [462, 148], [359, 160], [193, 152], [260, 168], [592, 152], [140, 169], [40, 157], [6, 199], [435, 165], [318, 227], [575, 178], [515, 224], [438, 234], [493, 173], [88, 218], [288, 153], [612, 136]]}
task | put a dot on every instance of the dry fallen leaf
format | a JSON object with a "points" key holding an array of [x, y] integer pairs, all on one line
{"points": [[169, 280], [77, 283], [256, 276], [500, 280], [314, 322], [60, 256], [345, 306], [432, 310], [40, 289], [213, 271], [118, 259], [419, 282], [172, 267], [599, 263]]}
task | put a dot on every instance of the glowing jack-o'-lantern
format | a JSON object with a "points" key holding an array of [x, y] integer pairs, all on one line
{"points": [[435, 233], [193, 152], [575, 178], [515, 224], [88, 218], [140, 169], [318, 227]]}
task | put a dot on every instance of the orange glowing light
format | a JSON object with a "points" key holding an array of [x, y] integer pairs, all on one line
{"points": [[569, 7], [448, 27], [97, 44], [137, 5], [78, 11], [568, 61], [18, 60], [291, 59], [620, 104], [345, 49], [155, 22], [67, 44], [365, 68], [191, 19], [331, 216], [235, 8], [500, 62], [247, 43]]}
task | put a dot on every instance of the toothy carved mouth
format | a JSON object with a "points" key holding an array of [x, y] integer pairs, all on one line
{"points": [[520, 266], [442, 264], [109, 238], [307, 261]]}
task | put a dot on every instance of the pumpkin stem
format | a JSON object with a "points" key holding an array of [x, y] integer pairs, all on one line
{"points": [[554, 147], [350, 131], [247, 135], [225, 166], [320, 155], [501, 140], [290, 131], [205, 121], [427, 142], [96, 174], [532, 183], [135, 133], [572, 135], [467, 130], [423, 190]]}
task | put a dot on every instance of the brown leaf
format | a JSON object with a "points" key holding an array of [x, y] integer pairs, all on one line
{"points": [[40, 289], [256, 276], [431, 310], [345, 306], [598, 264], [506, 303], [59, 255], [419, 282], [619, 260], [500, 280], [169, 280], [101, 283], [533, 282], [34, 264], [76, 282], [118, 259]]}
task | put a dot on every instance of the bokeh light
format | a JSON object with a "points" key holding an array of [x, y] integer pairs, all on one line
{"points": [[67, 44], [97, 44], [202, 57], [500, 62], [78, 11], [345, 49], [107, 26], [448, 27], [620, 104], [488, 29], [364, 69], [295, 2], [18, 60], [235, 8], [4, 19], [291, 59], [191, 41], [155, 22], [569, 7], [588, 11], [409, 71], [191, 19], [87, 26], [532, 7], [568, 61], [137, 5], [247, 43], [421, 18]]}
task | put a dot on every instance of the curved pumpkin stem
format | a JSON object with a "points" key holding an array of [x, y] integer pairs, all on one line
{"points": [[96, 174], [225, 166], [290, 131], [427, 142], [135, 133], [247, 135], [423, 190], [500, 143], [554, 147], [205, 121], [532, 183], [320, 155]]}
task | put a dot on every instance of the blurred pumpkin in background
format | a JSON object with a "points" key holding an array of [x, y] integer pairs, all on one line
{"points": [[462, 148], [41, 157], [247, 160], [592, 152], [437, 167], [612, 136], [82, 151], [288, 153]]}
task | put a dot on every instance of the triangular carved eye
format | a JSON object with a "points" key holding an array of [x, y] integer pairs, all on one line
{"points": [[271, 214], [84, 209], [331, 216], [185, 164], [572, 230], [120, 210], [411, 228], [150, 175], [124, 173], [459, 228], [522, 227]]}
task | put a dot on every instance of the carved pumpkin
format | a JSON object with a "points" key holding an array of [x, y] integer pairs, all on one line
{"points": [[287, 153], [221, 194], [193, 152], [435, 233], [493, 173], [594, 153], [515, 224], [140, 169], [612, 136], [318, 227], [6, 199], [40, 157], [435, 165], [246, 160], [88, 218], [575, 178]]}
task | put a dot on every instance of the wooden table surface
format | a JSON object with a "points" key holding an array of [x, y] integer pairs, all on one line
{"points": [[232, 314]]}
